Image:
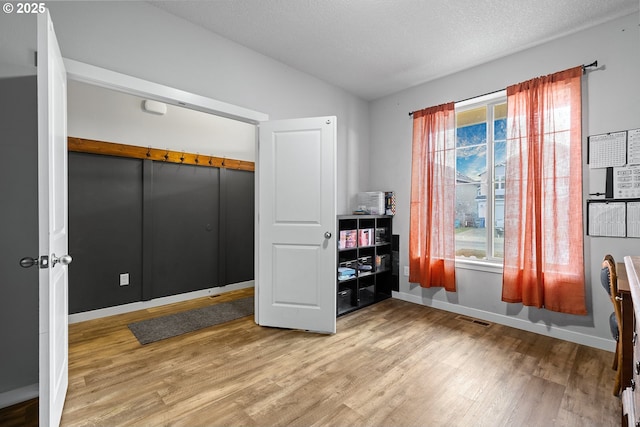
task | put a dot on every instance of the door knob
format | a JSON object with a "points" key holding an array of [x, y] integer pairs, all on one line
{"points": [[27, 262], [327, 234], [64, 260], [41, 261]]}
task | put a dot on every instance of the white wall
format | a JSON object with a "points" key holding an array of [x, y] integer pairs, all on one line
{"points": [[611, 103], [108, 115], [143, 41]]}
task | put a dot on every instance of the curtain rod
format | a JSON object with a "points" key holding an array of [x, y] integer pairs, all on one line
{"points": [[584, 70]]}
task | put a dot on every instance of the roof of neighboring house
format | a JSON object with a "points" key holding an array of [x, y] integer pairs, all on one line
{"points": [[464, 179]]}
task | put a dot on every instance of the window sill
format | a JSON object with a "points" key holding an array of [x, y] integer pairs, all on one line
{"points": [[477, 265]]}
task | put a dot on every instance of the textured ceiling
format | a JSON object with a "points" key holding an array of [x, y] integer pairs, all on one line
{"points": [[373, 48]]}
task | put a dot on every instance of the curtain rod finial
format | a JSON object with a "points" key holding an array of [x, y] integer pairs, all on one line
{"points": [[593, 64]]}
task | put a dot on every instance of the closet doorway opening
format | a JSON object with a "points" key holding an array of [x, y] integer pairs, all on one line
{"points": [[104, 106]]}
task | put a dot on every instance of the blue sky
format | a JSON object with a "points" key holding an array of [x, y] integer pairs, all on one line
{"points": [[471, 159]]}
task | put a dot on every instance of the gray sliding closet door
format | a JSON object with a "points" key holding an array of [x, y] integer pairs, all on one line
{"points": [[184, 229], [238, 216], [105, 231]]}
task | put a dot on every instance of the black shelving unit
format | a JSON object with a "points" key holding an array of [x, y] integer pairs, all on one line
{"points": [[364, 261]]}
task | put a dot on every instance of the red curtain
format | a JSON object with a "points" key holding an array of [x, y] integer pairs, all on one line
{"points": [[431, 229], [543, 260]]}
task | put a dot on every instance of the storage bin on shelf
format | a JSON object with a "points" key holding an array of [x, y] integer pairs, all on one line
{"points": [[365, 265], [371, 202], [366, 237], [348, 239], [383, 262], [382, 235]]}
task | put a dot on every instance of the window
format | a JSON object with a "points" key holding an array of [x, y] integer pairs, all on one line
{"points": [[462, 168], [480, 177]]}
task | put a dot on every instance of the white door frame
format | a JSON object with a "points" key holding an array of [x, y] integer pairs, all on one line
{"points": [[108, 79], [104, 78]]}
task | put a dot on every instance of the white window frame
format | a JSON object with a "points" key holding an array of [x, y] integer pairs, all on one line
{"points": [[489, 264]]}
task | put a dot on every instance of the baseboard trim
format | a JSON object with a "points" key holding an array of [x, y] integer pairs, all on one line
{"points": [[142, 305], [554, 332], [18, 395]]}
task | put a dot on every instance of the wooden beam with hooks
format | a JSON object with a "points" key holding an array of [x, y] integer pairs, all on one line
{"points": [[82, 145]]}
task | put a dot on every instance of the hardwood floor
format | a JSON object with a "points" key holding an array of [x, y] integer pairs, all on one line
{"points": [[392, 364], [23, 414]]}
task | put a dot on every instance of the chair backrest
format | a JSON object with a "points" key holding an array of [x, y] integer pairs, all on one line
{"points": [[609, 264]]}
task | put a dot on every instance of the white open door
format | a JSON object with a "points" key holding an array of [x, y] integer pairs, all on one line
{"points": [[52, 214], [296, 203]]}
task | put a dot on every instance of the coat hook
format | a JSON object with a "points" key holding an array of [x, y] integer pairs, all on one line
{"points": [[149, 151], [197, 155], [210, 161], [182, 158], [224, 159], [166, 155]]}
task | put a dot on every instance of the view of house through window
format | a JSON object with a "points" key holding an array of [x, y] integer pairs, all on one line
{"points": [[480, 178]]}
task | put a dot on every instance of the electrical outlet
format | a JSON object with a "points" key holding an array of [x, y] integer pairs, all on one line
{"points": [[124, 279], [406, 270]]}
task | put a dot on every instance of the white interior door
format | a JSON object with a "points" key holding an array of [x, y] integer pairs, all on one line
{"points": [[296, 203], [52, 214]]}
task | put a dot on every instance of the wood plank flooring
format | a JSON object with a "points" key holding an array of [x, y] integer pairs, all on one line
{"points": [[23, 414], [392, 364]]}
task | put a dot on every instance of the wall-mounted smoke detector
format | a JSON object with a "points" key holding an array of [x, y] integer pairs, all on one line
{"points": [[154, 107]]}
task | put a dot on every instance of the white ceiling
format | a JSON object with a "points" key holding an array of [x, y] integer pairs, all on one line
{"points": [[373, 48]]}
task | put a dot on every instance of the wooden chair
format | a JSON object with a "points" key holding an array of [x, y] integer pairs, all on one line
{"points": [[609, 279]]}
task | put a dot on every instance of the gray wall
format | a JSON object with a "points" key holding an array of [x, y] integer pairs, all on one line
{"points": [[611, 103], [18, 232], [19, 211]]}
